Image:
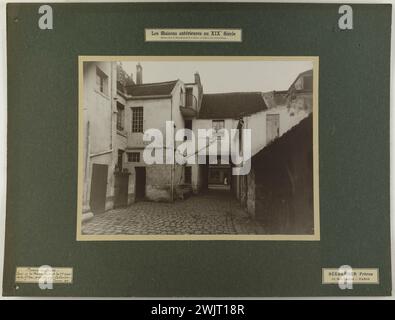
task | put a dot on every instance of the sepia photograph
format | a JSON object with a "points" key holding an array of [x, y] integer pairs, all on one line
{"points": [[198, 148]]}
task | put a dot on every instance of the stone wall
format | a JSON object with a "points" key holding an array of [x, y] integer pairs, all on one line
{"points": [[284, 182], [250, 202], [158, 181]]}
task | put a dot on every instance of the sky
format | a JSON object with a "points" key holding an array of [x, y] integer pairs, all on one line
{"points": [[224, 76]]}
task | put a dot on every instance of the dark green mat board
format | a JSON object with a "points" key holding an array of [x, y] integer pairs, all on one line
{"points": [[42, 160]]}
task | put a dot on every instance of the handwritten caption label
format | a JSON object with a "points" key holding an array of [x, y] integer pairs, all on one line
{"points": [[34, 275]]}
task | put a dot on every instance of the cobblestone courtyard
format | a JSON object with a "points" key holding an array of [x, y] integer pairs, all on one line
{"points": [[217, 213]]}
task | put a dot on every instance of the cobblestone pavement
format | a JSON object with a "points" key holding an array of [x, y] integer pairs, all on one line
{"points": [[216, 213]]}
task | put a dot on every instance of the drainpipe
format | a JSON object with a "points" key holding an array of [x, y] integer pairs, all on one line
{"points": [[111, 102], [87, 169], [112, 182], [173, 163]]}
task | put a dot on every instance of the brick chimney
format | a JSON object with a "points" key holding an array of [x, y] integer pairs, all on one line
{"points": [[139, 74]]}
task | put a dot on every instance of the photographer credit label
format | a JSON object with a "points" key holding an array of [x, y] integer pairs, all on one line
{"points": [[357, 276]]}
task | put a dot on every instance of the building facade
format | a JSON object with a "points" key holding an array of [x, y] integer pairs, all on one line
{"points": [[99, 97]]}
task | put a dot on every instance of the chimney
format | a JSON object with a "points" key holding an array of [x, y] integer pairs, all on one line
{"points": [[197, 78], [129, 80], [139, 74]]}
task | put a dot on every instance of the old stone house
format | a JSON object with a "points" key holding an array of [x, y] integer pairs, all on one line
{"points": [[116, 112]]}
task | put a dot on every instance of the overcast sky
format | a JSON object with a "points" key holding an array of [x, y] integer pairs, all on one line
{"points": [[224, 76]]}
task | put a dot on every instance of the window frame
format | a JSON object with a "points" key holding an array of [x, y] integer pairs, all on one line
{"points": [[137, 125], [134, 153], [217, 133], [120, 116], [218, 121], [101, 81], [188, 93]]}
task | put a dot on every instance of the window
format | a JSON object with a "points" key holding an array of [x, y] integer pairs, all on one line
{"points": [[101, 81], [304, 83], [189, 97], [134, 156], [299, 84], [182, 98], [137, 119], [188, 174], [188, 125], [120, 116], [218, 125]]}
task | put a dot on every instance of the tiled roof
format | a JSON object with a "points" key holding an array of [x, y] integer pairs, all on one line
{"points": [[231, 105], [151, 89]]}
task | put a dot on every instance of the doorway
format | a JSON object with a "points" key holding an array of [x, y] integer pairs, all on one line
{"points": [[97, 200], [121, 184], [140, 183], [219, 177]]}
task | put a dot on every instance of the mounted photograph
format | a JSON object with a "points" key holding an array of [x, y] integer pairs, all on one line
{"points": [[198, 148]]}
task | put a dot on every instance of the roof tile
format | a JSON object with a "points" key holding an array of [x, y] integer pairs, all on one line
{"points": [[151, 89], [231, 105]]}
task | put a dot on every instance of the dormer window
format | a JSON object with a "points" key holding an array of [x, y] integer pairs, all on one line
{"points": [[299, 84], [304, 83]]}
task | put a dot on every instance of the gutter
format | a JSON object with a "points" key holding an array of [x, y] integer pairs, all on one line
{"points": [[100, 153], [162, 96]]}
